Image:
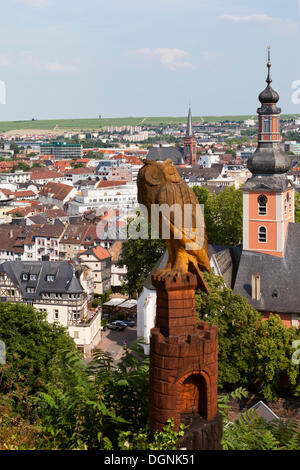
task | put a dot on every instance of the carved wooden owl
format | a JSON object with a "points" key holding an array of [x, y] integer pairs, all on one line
{"points": [[160, 184]]}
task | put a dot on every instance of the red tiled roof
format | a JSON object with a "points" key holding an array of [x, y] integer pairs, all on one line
{"points": [[105, 183], [24, 194], [40, 174], [79, 171], [56, 190], [101, 253]]}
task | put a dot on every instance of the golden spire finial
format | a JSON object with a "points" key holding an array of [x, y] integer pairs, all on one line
{"points": [[269, 80]]}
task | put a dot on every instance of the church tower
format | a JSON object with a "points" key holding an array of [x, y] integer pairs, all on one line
{"points": [[268, 199], [190, 143]]}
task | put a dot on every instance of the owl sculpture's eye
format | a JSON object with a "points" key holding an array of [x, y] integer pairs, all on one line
{"points": [[172, 175], [153, 175]]}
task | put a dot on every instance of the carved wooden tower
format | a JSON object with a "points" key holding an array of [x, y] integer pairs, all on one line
{"points": [[184, 365]]}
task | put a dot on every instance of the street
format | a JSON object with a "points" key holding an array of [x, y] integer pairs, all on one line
{"points": [[112, 341]]}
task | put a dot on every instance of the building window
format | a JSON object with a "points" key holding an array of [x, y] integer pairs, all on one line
{"points": [[33, 277], [289, 200], [50, 278], [76, 335], [56, 314], [262, 234], [285, 205], [30, 290], [267, 126], [262, 204], [25, 277]]}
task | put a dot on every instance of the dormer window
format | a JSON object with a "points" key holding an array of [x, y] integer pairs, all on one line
{"points": [[24, 277], [262, 204], [50, 277], [33, 277], [30, 290], [262, 234]]}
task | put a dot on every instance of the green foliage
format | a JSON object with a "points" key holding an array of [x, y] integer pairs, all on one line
{"points": [[297, 207], [166, 439], [125, 385], [286, 433], [20, 166], [72, 410], [77, 165], [139, 256], [105, 297], [223, 214], [17, 433], [31, 343], [252, 352], [224, 407], [273, 353], [89, 408], [251, 432], [96, 302]]}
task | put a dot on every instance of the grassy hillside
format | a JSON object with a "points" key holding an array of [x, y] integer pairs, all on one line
{"points": [[95, 124]]}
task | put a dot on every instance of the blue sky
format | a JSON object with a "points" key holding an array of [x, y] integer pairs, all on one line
{"points": [[75, 58]]}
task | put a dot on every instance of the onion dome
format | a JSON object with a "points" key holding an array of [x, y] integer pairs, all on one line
{"points": [[269, 96], [269, 157]]}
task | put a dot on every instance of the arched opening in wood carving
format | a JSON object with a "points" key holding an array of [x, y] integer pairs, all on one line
{"points": [[193, 395]]}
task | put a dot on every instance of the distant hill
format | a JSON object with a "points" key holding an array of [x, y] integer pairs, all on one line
{"points": [[96, 124]]}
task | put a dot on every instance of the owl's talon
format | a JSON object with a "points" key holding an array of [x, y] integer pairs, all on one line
{"points": [[169, 272]]}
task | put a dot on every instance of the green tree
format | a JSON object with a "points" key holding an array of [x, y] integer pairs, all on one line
{"points": [[15, 148], [37, 165], [77, 165], [21, 166], [202, 194], [252, 352], [273, 356], [31, 343], [297, 207]]}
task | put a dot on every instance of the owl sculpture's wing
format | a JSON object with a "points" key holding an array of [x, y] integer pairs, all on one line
{"points": [[187, 225]]}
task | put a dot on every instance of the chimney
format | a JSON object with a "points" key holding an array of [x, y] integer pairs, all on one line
{"points": [[256, 286]]}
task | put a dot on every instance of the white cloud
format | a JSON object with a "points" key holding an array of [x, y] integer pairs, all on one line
{"points": [[288, 25], [250, 19], [172, 59], [35, 3], [57, 67], [3, 60]]}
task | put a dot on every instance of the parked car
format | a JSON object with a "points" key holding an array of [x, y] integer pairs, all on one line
{"points": [[116, 325], [129, 323]]}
